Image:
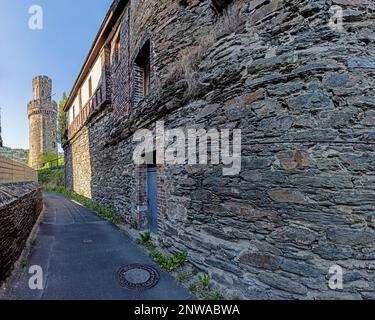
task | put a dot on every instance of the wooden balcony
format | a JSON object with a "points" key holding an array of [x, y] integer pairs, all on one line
{"points": [[98, 99]]}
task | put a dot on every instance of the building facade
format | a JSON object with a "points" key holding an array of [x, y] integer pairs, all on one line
{"points": [[42, 114], [284, 74]]}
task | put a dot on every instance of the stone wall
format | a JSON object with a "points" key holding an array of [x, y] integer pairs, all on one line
{"points": [[302, 93], [81, 166], [20, 206]]}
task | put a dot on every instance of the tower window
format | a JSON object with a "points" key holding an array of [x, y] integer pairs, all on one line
{"points": [[142, 79]]}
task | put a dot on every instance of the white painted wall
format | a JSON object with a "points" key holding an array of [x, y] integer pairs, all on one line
{"points": [[71, 115], [96, 75]]}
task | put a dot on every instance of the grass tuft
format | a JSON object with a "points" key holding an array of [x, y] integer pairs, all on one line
{"points": [[145, 240], [34, 243], [186, 66], [204, 280], [169, 262], [24, 264]]}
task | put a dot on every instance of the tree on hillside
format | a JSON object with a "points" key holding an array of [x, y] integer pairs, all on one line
{"points": [[61, 129]]}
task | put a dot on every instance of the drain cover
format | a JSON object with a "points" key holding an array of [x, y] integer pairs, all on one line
{"points": [[137, 277]]}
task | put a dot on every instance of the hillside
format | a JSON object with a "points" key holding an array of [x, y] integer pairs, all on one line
{"points": [[16, 154]]}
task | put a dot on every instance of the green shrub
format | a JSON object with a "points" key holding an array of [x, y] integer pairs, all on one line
{"points": [[51, 179], [204, 280], [193, 288], [145, 240], [169, 262], [184, 277], [144, 237]]}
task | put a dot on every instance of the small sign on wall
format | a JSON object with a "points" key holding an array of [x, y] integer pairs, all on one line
{"points": [[142, 208]]}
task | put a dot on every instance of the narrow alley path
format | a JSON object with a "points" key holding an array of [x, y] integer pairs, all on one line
{"points": [[80, 255]]}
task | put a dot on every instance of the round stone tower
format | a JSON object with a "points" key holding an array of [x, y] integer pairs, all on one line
{"points": [[42, 113]]}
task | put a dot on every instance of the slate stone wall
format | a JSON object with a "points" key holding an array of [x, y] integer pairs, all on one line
{"points": [[20, 206], [82, 180], [302, 93]]}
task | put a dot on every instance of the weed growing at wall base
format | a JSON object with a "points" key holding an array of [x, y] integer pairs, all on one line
{"points": [[145, 240], [204, 280], [168, 262]]}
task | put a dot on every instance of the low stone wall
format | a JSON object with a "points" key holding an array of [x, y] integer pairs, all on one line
{"points": [[20, 206]]}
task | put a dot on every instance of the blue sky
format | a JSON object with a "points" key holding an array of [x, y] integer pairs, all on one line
{"points": [[58, 51]]}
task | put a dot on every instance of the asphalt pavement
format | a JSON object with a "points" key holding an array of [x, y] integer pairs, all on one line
{"points": [[80, 254]]}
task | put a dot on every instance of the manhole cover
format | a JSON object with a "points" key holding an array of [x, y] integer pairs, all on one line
{"points": [[137, 277]]}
